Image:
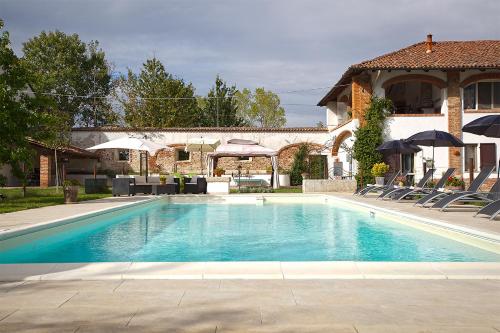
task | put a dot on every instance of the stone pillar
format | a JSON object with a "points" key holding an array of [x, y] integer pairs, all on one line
{"points": [[454, 119], [45, 170], [361, 91]]}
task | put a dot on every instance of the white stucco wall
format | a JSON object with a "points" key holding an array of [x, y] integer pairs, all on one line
{"points": [[403, 127]]}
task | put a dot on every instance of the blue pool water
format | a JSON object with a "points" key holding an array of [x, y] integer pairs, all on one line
{"points": [[162, 231]]}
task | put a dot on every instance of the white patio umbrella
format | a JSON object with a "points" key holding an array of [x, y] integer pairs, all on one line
{"points": [[201, 145], [130, 143], [134, 144]]}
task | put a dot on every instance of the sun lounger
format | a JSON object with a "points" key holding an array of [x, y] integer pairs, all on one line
{"points": [[492, 210], [374, 187], [420, 190], [396, 189], [474, 187], [468, 196]]}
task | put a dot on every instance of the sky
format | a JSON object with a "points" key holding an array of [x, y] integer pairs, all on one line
{"points": [[295, 48]]}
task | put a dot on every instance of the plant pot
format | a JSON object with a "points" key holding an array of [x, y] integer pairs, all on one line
{"points": [[380, 181], [70, 194], [455, 188], [284, 180], [163, 182]]}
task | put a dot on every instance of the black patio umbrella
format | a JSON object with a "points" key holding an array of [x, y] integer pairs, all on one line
{"points": [[434, 139], [398, 147], [488, 126]]}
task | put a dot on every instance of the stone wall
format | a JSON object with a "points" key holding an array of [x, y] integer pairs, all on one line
{"points": [[328, 185], [285, 141]]}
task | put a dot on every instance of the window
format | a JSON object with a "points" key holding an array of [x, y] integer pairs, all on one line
{"points": [[123, 155], [488, 154], [182, 155], [408, 162], [244, 158], [470, 153], [482, 95], [470, 97]]}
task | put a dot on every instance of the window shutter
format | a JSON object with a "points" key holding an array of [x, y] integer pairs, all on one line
{"points": [[488, 154]]}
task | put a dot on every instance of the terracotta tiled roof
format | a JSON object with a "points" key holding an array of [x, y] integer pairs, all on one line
{"points": [[445, 55], [69, 149], [200, 129]]}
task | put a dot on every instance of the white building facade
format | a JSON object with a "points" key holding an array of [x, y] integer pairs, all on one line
{"points": [[433, 85]]}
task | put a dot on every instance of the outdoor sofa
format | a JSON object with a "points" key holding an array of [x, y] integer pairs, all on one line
{"points": [[195, 185], [126, 185]]}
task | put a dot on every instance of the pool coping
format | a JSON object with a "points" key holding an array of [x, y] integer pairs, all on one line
{"points": [[269, 270], [249, 269]]}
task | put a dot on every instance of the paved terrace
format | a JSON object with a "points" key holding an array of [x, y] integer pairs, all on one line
{"points": [[37, 216], [347, 306], [456, 215]]}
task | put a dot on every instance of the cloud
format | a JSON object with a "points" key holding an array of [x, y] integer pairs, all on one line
{"points": [[282, 45]]}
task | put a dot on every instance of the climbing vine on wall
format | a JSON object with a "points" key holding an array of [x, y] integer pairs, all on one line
{"points": [[369, 136]]}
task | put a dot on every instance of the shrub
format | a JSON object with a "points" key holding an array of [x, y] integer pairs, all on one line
{"points": [[71, 182], [455, 181], [3, 181], [299, 165], [219, 171], [379, 169]]}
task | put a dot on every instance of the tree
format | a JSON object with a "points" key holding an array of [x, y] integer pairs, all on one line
{"points": [[369, 136], [74, 73], [155, 98], [261, 108], [300, 164], [219, 108], [22, 113]]}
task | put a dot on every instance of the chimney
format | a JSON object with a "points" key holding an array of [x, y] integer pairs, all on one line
{"points": [[428, 44]]}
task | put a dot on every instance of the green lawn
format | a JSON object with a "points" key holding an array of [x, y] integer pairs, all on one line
{"points": [[37, 197]]}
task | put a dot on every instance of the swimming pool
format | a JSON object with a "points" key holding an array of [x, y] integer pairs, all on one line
{"points": [[162, 231]]}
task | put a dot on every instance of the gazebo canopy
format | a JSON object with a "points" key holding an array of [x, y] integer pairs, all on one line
{"points": [[238, 147]]}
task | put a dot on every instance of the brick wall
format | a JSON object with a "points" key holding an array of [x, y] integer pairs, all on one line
{"points": [[454, 119], [361, 94], [45, 170]]}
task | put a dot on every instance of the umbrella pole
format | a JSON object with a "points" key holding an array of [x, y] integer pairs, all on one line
{"points": [[433, 164], [201, 159]]}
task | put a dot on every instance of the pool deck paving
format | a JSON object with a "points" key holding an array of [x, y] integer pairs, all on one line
{"points": [[462, 216], [356, 306], [357, 297]]}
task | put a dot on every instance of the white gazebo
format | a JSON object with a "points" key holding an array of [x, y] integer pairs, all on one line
{"points": [[239, 148]]}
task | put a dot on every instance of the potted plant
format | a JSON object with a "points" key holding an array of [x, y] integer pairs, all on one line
{"points": [[163, 179], [378, 171], [455, 183], [401, 180], [219, 171], [284, 177], [70, 189]]}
